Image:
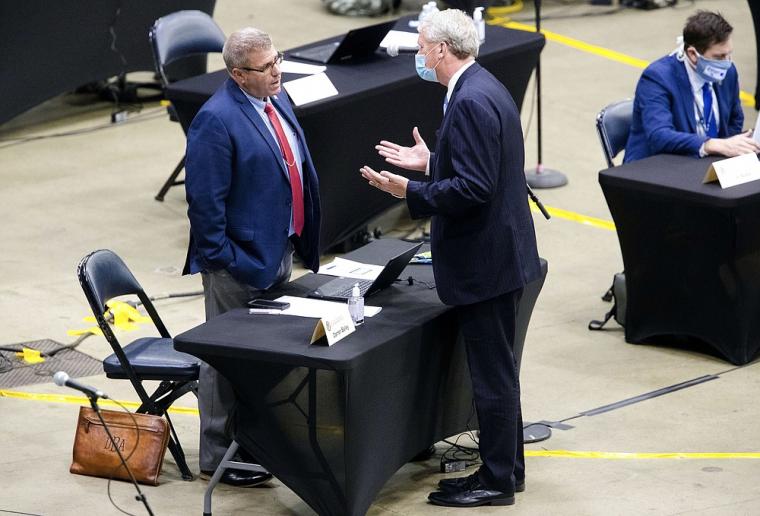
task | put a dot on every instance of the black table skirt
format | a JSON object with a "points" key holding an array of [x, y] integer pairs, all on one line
{"points": [[53, 47], [380, 98], [691, 253], [334, 423]]}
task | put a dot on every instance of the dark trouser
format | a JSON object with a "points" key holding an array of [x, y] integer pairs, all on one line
{"points": [[216, 398], [488, 329]]}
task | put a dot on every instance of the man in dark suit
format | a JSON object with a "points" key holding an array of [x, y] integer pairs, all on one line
{"points": [[253, 200], [688, 102], [482, 238]]}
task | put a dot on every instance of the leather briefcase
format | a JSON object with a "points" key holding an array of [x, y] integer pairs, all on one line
{"points": [[143, 447]]}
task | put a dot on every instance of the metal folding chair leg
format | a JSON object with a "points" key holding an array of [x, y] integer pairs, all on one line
{"points": [[172, 180], [179, 457], [226, 463]]}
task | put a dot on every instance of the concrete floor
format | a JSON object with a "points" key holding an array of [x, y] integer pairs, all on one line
{"points": [[62, 198]]}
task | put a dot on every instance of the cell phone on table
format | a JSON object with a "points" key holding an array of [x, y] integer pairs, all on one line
{"points": [[268, 304]]}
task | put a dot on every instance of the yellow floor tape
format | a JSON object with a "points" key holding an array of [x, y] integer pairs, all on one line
{"points": [[82, 400], [562, 454], [746, 98], [567, 454], [577, 217]]}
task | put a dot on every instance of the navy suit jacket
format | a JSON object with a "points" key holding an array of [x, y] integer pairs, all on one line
{"points": [[663, 111], [238, 191], [482, 236]]}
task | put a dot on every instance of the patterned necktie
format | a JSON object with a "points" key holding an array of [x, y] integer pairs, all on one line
{"points": [[711, 128], [295, 180]]}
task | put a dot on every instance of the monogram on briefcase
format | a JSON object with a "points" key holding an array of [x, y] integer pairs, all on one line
{"points": [[95, 455]]}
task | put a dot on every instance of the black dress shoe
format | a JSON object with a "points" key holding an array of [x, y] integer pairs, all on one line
{"points": [[240, 477], [476, 496], [451, 485]]}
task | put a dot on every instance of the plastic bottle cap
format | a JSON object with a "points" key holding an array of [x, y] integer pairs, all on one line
{"points": [[355, 292]]}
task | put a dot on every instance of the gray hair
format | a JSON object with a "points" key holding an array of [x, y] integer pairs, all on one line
{"points": [[241, 43], [456, 29]]}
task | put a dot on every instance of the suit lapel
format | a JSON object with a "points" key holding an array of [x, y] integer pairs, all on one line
{"points": [[685, 91], [252, 115], [441, 133]]}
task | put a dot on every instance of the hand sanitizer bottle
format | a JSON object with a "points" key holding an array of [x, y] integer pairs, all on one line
{"points": [[356, 306], [480, 23]]}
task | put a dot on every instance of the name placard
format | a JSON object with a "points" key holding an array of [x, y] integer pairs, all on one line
{"points": [[734, 171], [333, 327]]}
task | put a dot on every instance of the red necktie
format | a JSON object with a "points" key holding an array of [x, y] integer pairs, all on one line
{"points": [[290, 161]]}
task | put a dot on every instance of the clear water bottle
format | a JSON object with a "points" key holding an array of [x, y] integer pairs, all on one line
{"points": [[356, 306]]}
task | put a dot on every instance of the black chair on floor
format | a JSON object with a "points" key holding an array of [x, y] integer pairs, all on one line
{"points": [[613, 124], [104, 276], [175, 37]]}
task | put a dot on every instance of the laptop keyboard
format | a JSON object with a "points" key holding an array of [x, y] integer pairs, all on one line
{"points": [[346, 292]]}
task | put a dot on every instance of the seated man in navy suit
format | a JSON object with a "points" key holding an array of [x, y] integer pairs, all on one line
{"points": [[253, 200], [482, 240], [688, 102]]}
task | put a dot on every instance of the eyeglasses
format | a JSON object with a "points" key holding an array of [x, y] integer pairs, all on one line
{"points": [[268, 67]]}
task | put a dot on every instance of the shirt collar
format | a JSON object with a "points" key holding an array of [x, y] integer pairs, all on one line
{"points": [[455, 78], [257, 103]]}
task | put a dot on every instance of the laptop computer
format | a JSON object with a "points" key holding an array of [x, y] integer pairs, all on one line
{"points": [[339, 289], [357, 43]]}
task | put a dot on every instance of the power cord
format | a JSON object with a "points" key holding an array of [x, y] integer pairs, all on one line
{"points": [[457, 457], [411, 280], [140, 496]]}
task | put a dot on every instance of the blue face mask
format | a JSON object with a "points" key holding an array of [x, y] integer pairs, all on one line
{"points": [[712, 70], [425, 73]]}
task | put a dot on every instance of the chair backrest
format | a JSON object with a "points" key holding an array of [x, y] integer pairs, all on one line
{"points": [[613, 124], [182, 34], [104, 276]]}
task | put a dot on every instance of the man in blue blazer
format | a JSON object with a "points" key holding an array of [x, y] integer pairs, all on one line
{"points": [[688, 102], [253, 200], [482, 238]]}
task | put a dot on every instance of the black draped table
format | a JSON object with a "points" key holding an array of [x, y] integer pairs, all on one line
{"points": [[335, 423], [379, 98], [52, 47], [691, 253]]}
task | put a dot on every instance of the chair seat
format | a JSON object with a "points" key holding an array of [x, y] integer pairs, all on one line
{"points": [[154, 358]]}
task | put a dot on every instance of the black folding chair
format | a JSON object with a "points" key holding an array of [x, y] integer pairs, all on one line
{"points": [[613, 124], [104, 276], [175, 37]]}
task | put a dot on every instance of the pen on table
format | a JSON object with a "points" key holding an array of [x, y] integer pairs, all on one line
{"points": [[329, 267], [264, 311]]}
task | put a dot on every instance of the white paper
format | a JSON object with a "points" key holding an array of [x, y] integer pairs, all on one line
{"points": [[301, 68], [401, 39], [343, 268], [738, 170], [756, 132], [310, 89], [319, 308]]}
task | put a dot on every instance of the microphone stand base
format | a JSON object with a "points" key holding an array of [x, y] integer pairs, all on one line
{"points": [[535, 432], [541, 177]]}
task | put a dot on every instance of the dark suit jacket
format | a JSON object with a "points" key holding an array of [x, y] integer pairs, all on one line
{"points": [[663, 111], [482, 235], [238, 191]]}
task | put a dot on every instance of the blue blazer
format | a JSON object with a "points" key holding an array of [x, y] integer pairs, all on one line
{"points": [[238, 191], [663, 111], [482, 234]]}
